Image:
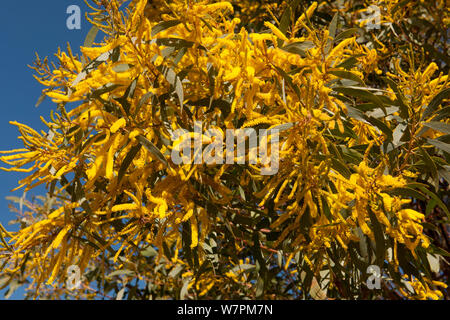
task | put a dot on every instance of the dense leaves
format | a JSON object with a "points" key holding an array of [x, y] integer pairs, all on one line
{"points": [[363, 173]]}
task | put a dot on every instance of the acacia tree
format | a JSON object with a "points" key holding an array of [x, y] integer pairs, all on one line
{"points": [[363, 173]]}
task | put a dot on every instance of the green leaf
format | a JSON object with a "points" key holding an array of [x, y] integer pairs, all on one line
{"points": [[407, 193], [440, 145], [429, 162], [382, 126], [436, 250], [177, 43], [288, 79], [398, 134], [104, 89], [348, 63], [259, 287], [438, 126], [424, 189], [40, 100], [360, 93], [184, 289], [121, 67], [283, 127], [404, 113], [356, 114], [435, 102], [152, 149], [163, 26], [345, 34], [149, 252], [127, 161], [144, 99], [444, 172], [176, 271], [380, 245], [125, 272], [443, 113], [90, 38], [326, 208], [284, 23], [340, 167], [347, 75], [121, 293], [298, 47], [244, 267], [13, 286], [333, 25], [332, 32], [174, 81], [129, 94]]}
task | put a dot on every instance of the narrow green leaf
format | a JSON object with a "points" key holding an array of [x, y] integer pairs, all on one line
{"points": [[347, 75], [340, 167], [163, 26], [40, 100], [440, 145], [144, 99], [125, 272], [443, 113], [345, 34], [429, 162], [424, 189], [288, 79], [149, 252], [121, 67], [400, 97], [152, 149], [362, 94], [90, 38], [298, 47], [380, 245], [348, 63], [438, 126], [259, 287], [435, 102], [175, 271], [382, 126], [332, 32], [326, 208], [127, 161], [174, 81], [333, 25], [285, 20], [407, 193], [398, 134]]}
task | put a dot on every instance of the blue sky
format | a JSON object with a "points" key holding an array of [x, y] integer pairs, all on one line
{"points": [[28, 27]]}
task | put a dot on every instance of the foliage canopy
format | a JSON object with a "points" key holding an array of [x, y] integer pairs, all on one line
{"points": [[364, 154]]}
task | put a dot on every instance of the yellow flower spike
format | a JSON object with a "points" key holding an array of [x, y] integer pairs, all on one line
{"points": [[117, 139], [339, 48], [59, 238], [119, 124], [301, 19], [428, 72], [311, 9], [276, 31], [57, 265], [235, 72], [194, 232], [280, 192]]}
